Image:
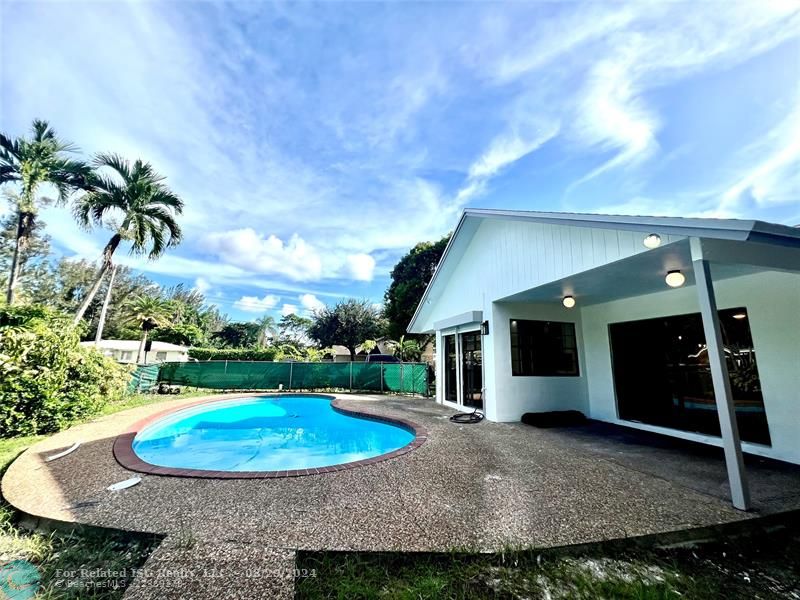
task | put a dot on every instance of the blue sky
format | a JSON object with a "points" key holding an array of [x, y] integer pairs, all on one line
{"points": [[314, 144]]}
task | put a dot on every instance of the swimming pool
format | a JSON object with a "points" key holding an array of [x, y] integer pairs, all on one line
{"points": [[266, 433]]}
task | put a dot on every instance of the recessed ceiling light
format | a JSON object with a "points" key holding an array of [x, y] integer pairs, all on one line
{"points": [[675, 279], [652, 241], [568, 301]]}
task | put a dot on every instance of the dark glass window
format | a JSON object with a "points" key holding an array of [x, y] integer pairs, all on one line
{"points": [[662, 376], [543, 348], [450, 392]]}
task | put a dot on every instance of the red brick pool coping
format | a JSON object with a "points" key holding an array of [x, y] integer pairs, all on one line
{"points": [[125, 456]]}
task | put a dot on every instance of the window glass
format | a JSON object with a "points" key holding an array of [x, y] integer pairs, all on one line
{"points": [[543, 348], [450, 392], [662, 374], [161, 356]]}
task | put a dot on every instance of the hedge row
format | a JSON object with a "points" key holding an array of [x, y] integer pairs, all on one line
{"points": [[233, 353]]}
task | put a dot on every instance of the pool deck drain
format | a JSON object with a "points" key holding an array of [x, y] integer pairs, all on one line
{"points": [[481, 487]]}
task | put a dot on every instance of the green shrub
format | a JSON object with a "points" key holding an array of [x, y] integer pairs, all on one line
{"points": [[47, 379], [233, 353]]}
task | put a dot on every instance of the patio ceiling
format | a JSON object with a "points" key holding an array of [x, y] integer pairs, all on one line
{"points": [[633, 276]]}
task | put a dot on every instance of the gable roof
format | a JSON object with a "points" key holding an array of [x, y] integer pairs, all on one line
{"points": [[744, 230]]}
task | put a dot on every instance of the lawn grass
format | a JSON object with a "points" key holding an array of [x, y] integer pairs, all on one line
{"points": [[759, 565], [56, 554]]}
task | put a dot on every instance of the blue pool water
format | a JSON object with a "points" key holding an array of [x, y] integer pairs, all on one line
{"points": [[269, 433]]}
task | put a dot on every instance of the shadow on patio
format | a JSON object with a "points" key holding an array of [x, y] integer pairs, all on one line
{"points": [[774, 485]]}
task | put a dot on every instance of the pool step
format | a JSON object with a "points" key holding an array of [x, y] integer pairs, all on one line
{"points": [[182, 568]]}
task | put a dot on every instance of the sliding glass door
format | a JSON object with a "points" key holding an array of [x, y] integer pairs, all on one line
{"points": [[662, 375], [471, 370], [463, 369]]}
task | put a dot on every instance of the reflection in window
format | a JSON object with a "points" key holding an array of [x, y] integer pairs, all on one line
{"points": [[543, 348], [662, 375]]}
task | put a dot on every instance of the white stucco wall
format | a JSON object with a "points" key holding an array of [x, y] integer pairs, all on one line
{"points": [[511, 396], [772, 300]]}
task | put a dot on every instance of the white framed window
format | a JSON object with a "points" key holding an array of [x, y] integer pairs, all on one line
{"points": [[126, 355], [161, 356]]}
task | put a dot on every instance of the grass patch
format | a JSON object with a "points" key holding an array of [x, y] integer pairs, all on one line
{"points": [[77, 564], [136, 400], [757, 566]]}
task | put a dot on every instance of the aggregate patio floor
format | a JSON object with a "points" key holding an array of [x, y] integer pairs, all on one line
{"points": [[481, 487]]}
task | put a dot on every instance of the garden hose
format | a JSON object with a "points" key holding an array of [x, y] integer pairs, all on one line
{"points": [[475, 416]]}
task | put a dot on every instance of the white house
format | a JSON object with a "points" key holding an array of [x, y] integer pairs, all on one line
{"points": [[610, 316], [125, 351]]}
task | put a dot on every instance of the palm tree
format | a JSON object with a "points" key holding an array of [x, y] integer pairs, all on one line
{"points": [[136, 205], [267, 329], [32, 162], [147, 313], [404, 349]]}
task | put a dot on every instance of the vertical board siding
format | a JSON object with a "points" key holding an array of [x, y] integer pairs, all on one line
{"points": [[508, 257]]}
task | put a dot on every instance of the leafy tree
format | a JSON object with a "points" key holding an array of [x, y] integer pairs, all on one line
{"points": [[144, 208], [410, 277], [293, 329], [348, 323], [33, 257], [187, 302], [405, 350], [236, 335], [63, 284], [184, 335], [30, 163], [148, 313]]}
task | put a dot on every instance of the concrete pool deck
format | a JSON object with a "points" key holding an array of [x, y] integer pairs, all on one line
{"points": [[482, 487]]}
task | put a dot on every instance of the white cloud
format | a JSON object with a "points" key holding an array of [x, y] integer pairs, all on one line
{"points": [[313, 174], [255, 304], [244, 248], [773, 173], [361, 267], [524, 135], [202, 285], [289, 309], [311, 303]]}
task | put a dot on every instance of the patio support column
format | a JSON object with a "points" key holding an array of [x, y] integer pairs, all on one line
{"points": [[737, 478]]}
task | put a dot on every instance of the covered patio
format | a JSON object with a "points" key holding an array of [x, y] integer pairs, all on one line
{"points": [[686, 327], [731, 314]]}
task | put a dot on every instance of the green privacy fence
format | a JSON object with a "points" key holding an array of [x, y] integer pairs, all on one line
{"points": [[144, 378], [408, 378]]}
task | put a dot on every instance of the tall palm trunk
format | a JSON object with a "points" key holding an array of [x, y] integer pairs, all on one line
{"points": [[108, 253], [24, 227], [141, 346]]}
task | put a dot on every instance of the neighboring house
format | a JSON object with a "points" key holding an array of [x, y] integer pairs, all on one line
{"points": [[342, 354], [632, 349], [125, 351]]}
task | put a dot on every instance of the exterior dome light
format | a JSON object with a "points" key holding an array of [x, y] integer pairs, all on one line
{"points": [[568, 301], [652, 241], [675, 279]]}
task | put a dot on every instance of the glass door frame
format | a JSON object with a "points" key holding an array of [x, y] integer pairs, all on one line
{"points": [[457, 331]]}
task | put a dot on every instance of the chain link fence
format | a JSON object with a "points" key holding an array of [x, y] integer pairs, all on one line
{"points": [[405, 378]]}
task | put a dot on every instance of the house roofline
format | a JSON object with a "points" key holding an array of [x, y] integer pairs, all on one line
{"points": [[746, 230]]}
